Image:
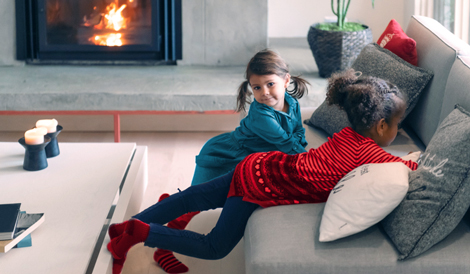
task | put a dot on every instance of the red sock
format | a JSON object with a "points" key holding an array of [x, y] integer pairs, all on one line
{"points": [[165, 258], [136, 232], [163, 196], [167, 261], [116, 229], [182, 221], [118, 265]]}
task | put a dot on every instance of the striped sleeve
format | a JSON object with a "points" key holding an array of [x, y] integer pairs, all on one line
{"points": [[343, 152], [370, 152]]}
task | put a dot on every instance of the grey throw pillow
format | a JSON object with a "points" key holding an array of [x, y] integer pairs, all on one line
{"points": [[439, 193], [382, 63]]}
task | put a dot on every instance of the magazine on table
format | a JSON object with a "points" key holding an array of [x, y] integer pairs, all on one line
{"points": [[8, 220], [27, 223]]}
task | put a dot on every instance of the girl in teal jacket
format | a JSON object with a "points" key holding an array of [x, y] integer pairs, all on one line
{"points": [[273, 123], [264, 129]]}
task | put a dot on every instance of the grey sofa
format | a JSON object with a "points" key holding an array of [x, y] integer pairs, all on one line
{"points": [[284, 239]]}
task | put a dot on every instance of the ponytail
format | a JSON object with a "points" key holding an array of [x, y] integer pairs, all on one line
{"points": [[243, 95], [300, 87], [338, 83]]}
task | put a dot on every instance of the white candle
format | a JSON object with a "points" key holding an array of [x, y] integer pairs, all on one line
{"points": [[35, 136], [50, 124]]}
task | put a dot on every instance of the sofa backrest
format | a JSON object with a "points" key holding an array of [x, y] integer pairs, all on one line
{"points": [[437, 50], [457, 89]]}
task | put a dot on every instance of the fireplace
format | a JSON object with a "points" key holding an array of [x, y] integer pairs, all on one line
{"points": [[99, 31]]}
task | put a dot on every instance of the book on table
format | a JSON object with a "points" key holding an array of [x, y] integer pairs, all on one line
{"points": [[8, 220], [27, 223]]}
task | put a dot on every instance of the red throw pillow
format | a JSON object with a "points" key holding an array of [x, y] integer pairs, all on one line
{"points": [[395, 40]]}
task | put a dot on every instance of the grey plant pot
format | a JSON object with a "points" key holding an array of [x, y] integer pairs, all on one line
{"points": [[336, 50]]}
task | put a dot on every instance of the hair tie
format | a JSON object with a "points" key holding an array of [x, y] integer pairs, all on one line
{"points": [[358, 74]]}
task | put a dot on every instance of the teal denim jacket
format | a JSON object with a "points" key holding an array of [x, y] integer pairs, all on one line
{"points": [[263, 129]]}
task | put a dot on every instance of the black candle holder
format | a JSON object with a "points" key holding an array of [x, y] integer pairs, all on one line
{"points": [[52, 149], [35, 155]]}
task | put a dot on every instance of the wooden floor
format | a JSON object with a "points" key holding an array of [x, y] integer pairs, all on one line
{"points": [[171, 166]]}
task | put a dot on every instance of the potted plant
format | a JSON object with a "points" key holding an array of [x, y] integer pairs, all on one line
{"points": [[335, 46]]}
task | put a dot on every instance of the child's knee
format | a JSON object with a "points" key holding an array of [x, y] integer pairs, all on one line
{"points": [[219, 252]]}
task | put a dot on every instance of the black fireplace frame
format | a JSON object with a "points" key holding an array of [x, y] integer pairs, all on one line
{"points": [[165, 48]]}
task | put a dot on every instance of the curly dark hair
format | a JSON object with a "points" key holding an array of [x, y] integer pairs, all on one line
{"points": [[267, 62], [365, 99]]}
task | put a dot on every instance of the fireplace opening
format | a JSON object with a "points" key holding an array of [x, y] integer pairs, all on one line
{"points": [[99, 31]]}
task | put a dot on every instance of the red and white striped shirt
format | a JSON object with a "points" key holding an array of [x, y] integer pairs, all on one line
{"points": [[275, 178]]}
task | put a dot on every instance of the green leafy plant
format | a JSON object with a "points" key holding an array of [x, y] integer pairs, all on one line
{"points": [[340, 10]]}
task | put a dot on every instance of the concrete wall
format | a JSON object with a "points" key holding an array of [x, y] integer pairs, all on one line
{"points": [[215, 32], [293, 18], [223, 32], [7, 33]]}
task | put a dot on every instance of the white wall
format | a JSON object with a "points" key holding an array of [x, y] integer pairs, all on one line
{"points": [[8, 34], [293, 18]]}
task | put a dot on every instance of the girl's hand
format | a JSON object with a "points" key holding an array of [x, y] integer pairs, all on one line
{"points": [[413, 156]]}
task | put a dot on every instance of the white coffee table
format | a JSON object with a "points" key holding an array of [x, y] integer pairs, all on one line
{"points": [[86, 187]]}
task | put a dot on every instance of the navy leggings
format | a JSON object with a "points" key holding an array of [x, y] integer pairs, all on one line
{"points": [[224, 236]]}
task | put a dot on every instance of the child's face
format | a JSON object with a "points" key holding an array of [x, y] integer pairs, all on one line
{"points": [[390, 131], [270, 89]]}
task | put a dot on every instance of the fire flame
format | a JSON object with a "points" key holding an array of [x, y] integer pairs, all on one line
{"points": [[114, 20], [112, 39]]}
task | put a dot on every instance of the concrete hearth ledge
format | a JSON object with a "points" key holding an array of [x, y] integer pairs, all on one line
{"points": [[127, 88], [145, 88], [169, 89]]}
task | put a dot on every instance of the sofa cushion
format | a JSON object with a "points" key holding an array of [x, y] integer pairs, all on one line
{"points": [[439, 192], [457, 91], [378, 62], [396, 40], [437, 49], [284, 239], [363, 198], [331, 119], [315, 136]]}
